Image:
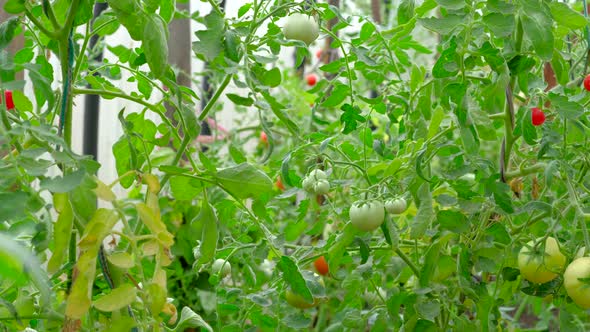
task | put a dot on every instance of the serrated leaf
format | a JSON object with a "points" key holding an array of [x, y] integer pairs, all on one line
{"points": [[244, 181], [155, 44], [189, 319], [294, 279], [122, 260]]}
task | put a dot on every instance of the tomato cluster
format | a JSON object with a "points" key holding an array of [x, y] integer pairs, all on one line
{"points": [[542, 262], [316, 182]]}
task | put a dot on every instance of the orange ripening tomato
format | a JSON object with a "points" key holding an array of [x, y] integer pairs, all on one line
{"points": [[280, 184], [321, 266], [263, 138]]}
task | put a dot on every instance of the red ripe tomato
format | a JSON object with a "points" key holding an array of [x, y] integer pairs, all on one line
{"points": [[318, 54], [280, 184], [537, 116], [312, 79], [587, 82], [263, 138], [9, 100], [321, 266]]}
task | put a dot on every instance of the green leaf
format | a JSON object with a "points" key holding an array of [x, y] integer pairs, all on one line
{"points": [[453, 221], [272, 78], [350, 117], [208, 219], [167, 10], [14, 6], [184, 188], [118, 298], [446, 65], [189, 319], [425, 214], [339, 93], [239, 100], [430, 263], [294, 279], [65, 183], [155, 44], [21, 101], [565, 108], [16, 260], [14, 205], [405, 11], [210, 41], [564, 15], [501, 25], [443, 25], [7, 29], [244, 181], [537, 26], [451, 4]]}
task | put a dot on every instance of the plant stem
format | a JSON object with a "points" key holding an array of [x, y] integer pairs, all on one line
{"points": [[214, 98], [39, 25], [525, 171], [409, 262]]}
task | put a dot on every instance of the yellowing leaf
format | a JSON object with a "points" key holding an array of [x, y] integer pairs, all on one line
{"points": [[118, 298], [122, 260]]}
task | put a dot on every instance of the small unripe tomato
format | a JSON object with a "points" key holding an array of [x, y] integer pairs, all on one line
{"points": [[301, 27], [8, 99], [317, 174], [263, 137], [321, 187], [396, 206], [575, 281], [308, 184], [321, 266], [312, 79], [221, 267], [543, 266], [367, 216], [587, 82], [537, 116]]}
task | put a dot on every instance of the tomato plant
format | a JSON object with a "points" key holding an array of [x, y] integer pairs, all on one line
{"points": [[411, 150]]}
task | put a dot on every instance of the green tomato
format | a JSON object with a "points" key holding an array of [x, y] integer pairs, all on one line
{"points": [[317, 174], [396, 206], [367, 216], [321, 187], [541, 267], [221, 267], [308, 184], [301, 27], [578, 290]]}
